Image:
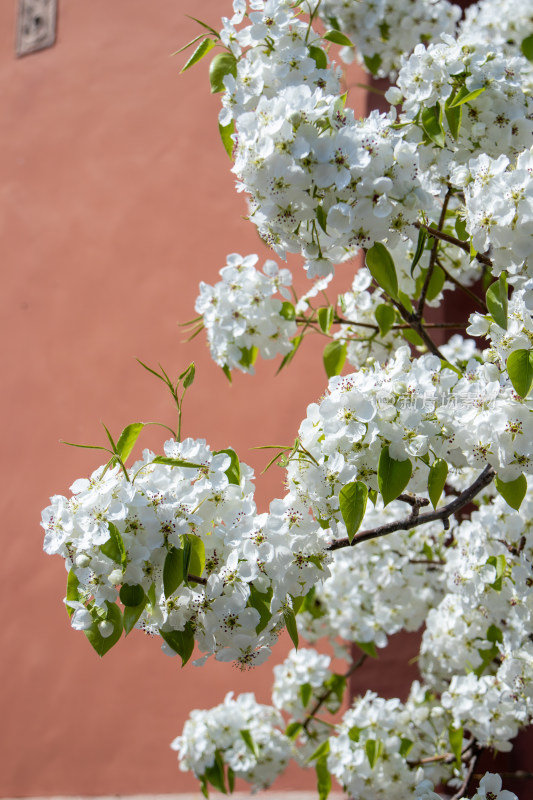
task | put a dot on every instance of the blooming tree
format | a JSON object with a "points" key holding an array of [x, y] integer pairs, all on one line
{"points": [[408, 499]]}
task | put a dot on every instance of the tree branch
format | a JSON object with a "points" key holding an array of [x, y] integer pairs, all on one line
{"points": [[321, 699], [416, 519], [445, 237], [432, 258]]}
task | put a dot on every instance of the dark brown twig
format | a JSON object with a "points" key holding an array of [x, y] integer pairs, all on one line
{"points": [[445, 237], [321, 699]]}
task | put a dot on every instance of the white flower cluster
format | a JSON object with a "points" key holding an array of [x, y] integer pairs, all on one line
{"points": [[476, 648], [382, 586], [188, 549], [321, 182], [241, 316], [490, 788], [499, 209], [300, 680], [240, 734], [463, 98], [383, 32], [380, 743], [418, 408]]}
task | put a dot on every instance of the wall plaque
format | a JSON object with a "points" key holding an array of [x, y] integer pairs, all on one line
{"points": [[36, 25]]}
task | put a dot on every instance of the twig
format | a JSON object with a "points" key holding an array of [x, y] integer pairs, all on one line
{"points": [[414, 520], [468, 777], [445, 237], [472, 295], [196, 579], [321, 699], [432, 258]]}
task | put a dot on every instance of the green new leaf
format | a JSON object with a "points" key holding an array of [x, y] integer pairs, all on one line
{"points": [[319, 57], [520, 370], [381, 266], [369, 648], [306, 693], [249, 742], [114, 547], [494, 634], [100, 644], [455, 735], [406, 745], [465, 96], [436, 480], [293, 729], [72, 590], [322, 750], [323, 778], [173, 571], [354, 734], [150, 594], [497, 301], [248, 356], [290, 624], [527, 47], [431, 119], [500, 565], [352, 503], [385, 316], [131, 594], [227, 372], [373, 63], [513, 492], [132, 615], [234, 470], [223, 64], [460, 229], [287, 310], [436, 282], [215, 774], [188, 375], [454, 118], [325, 318], [338, 38], [420, 244], [202, 50], [127, 439], [261, 602], [182, 642], [296, 342], [393, 476], [226, 134], [373, 748], [176, 462], [334, 357], [337, 685], [196, 559]]}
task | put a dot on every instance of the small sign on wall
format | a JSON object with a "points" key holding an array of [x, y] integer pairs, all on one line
{"points": [[36, 25]]}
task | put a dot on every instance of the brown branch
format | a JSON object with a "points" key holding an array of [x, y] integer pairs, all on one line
{"points": [[445, 237], [472, 295], [468, 777], [415, 519], [396, 327], [196, 579], [432, 258], [321, 699]]}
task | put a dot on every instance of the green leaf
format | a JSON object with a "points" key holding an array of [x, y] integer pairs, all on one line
{"points": [[297, 603], [296, 342], [352, 503], [188, 376], [372, 493], [431, 119], [182, 642], [338, 38], [334, 357], [234, 470], [197, 557], [373, 63], [436, 282], [322, 750], [454, 118], [381, 266], [231, 780], [497, 301], [223, 64], [354, 734], [114, 547], [405, 300], [406, 745], [227, 372], [248, 356], [436, 480], [319, 57], [151, 595], [127, 439], [226, 133], [465, 96], [306, 693], [393, 476], [293, 729], [132, 615], [520, 369], [527, 47], [500, 564], [460, 229], [325, 318], [337, 685], [249, 742], [369, 648], [261, 602], [290, 623], [455, 735], [420, 244], [172, 571], [215, 774], [513, 492], [312, 604], [323, 778], [100, 644], [373, 748], [287, 310], [412, 337], [131, 594], [72, 590], [385, 316], [176, 462], [202, 50], [204, 25], [494, 634]]}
